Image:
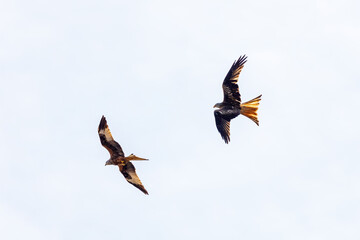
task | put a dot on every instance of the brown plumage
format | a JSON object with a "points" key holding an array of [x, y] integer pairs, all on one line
{"points": [[117, 156], [231, 107]]}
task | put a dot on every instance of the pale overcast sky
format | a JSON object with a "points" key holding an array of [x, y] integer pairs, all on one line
{"points": [[155, 69]]}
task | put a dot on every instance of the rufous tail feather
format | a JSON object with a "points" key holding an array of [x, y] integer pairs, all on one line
{"points": [[249, 109], [132, 157]]}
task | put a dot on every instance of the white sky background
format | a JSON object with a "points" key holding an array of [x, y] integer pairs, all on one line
{"points": [[155, 69]]}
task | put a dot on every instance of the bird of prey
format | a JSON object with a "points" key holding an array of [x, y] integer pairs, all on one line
{"points": [[231, 106], [117, 156]]}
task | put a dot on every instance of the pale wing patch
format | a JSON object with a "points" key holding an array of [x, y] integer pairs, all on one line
{"points": [[104, 129], [130, 175], [107, 134], [134, 178], [235, 75]]}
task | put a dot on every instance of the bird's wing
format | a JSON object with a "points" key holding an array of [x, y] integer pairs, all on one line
{"points": [[107, 140], [130, 175], [223, 125], [230, 87]]}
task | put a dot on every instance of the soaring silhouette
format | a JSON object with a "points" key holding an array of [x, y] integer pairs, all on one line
{"points": [[231, 106], [117, 156]]}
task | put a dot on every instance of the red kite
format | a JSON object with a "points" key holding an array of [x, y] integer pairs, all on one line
{"points": [[231, 107], [117, 156]]}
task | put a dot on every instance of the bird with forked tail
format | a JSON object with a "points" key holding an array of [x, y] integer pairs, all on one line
{"points": [[231, 107], [117, 156]]}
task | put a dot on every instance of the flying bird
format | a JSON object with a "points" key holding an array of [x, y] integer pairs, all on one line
{"points": [[117, 156], [231, 106]]}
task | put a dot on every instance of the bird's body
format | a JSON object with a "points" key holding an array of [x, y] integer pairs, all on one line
{"points": [[117, 156], [228, 112], [231, 107]]}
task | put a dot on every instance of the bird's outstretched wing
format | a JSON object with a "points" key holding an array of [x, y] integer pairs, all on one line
{"points": [[107, 140], [230, 87], [223, 125], [130, 175]]}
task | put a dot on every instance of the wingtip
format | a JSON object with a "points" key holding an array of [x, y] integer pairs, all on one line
{"points": [[242, 60], [226, 139], [142, 189], [243, 56], [102, 124]]}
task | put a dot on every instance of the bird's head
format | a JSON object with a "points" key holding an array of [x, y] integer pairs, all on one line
{"points": [[109, 162], [218, 105]]}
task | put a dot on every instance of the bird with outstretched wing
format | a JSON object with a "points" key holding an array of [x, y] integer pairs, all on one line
{"points": [[231, 106], [117, 156]]}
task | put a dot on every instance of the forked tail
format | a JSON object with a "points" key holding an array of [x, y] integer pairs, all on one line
{"points": [[132, 157], [249, 109]]}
